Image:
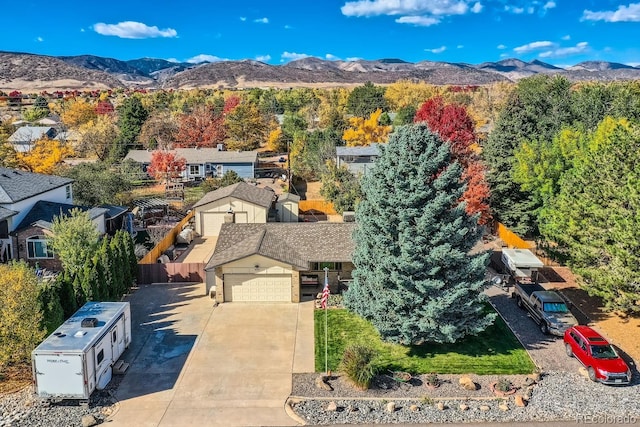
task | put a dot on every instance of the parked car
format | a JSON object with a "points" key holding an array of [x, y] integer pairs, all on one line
{"points": [[596, 354]]}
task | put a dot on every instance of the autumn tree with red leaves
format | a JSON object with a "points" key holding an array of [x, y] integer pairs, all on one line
{"points": [[454, 125], [202, 127], [165, 165]]}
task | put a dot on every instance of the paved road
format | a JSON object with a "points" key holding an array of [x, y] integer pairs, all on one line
{"points": [[546, 351], [193, 364]]}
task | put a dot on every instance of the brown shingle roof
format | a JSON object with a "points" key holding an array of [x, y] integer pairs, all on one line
{"points": [[293, 243], [242, 191]]}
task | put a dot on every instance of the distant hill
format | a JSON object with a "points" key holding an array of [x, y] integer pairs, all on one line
{"points": [[25, 71]]}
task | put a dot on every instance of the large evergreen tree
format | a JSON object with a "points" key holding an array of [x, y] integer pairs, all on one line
{"points": [[415, 278]]}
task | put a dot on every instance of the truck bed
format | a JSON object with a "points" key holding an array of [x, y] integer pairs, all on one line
{"points": [[528, 288]]}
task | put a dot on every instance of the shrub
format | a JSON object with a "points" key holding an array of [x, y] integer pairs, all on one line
{"points": [[504, 385], [358, 364], [432, 379]]}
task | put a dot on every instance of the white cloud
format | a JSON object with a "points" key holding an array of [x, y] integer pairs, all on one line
{"points": [[565, 51], [533, 46], [292, 56], [243, 18], [261, 21], [198, 59], [501, 46], [82, 30], [39, 39], [353, 59], [419, 21], [514, 9], [422, 13], [263, 58], [288, 27], [629, 13], [437, 50], [331, 57], [633, 64], [173, 60], [460, 46], [133, 30], [549, 5], [567, 37]]}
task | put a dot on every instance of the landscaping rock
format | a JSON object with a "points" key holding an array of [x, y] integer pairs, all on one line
{"points": [[414, 408], [464, 407], [332, 407], [391, 407], [464, 380], [88, 420], [582, 371], [468, 384], [440, 406], [520, 401], [322, 384], [535, 377], [485, 408], [503, 407]]}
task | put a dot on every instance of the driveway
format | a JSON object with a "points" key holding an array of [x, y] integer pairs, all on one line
{"points": [[546, 351], [193, 364]]}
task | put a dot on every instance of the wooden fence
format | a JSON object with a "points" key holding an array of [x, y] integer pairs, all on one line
{"points": [[511, 239], [170, 272], [168, 240], [317, 205]]}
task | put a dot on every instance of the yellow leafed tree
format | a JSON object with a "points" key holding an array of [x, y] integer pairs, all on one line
{"points": [[364, 132], [78, 112], [20, 314], [45, 155], [275, 142], [405, 93]]}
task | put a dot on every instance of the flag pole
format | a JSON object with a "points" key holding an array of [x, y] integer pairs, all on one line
{"points": [[326, 332]]}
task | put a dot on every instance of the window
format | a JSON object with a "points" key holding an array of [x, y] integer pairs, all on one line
{"points": [[37, 248], [194, 169], [114, 336], [333, 266], [100, 357], [555, 307], [68, 191]]}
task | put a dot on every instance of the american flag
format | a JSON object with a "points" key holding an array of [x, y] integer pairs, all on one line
{"points": [[325, 293]]}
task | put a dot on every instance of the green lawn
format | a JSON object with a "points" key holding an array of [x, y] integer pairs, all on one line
{"points": [[495, 351]]}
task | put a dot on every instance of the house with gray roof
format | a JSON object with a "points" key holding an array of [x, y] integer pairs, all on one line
{"points": [[238, 203], [31, 233], [279, 262], [358, 160], [205, 162], [24, 137], [19, 192]]}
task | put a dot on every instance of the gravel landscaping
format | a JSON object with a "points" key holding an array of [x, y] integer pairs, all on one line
{"points": [[558, 396], [24, 409]]}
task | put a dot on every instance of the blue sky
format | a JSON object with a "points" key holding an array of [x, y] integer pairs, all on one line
{"points": [[560, 32]]}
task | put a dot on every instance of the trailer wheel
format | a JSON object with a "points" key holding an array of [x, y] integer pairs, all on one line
{"points": [[519, 302], [544, 328]]}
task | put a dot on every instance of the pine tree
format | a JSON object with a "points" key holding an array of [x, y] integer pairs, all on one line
{"points": [[106, 261], [415, 279], [117, 265]]}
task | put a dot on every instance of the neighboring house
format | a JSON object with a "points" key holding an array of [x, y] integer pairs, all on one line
{"points": [[206, 162], [287, 207], [117, 218], [359, 160], [279, 262], [24, 137], [239, 203], [30, 235], [19, 192]]}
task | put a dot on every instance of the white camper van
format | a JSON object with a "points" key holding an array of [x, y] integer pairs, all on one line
{"points": [[78, 357]]}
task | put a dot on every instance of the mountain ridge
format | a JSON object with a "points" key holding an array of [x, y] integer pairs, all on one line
{"points": [[21, 70]]}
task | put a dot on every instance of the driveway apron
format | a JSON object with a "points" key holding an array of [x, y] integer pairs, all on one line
{"points": [[238, 371]]}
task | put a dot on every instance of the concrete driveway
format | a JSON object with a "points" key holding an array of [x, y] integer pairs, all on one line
{"points": [[194, 364]]}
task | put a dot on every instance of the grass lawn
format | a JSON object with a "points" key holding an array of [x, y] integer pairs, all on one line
{"points": [[495, 351]]}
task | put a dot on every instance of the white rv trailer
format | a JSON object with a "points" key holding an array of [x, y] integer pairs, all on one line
{"points": [[521, 264], [78, 357]]}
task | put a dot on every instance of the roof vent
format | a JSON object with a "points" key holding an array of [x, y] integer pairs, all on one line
{"points": [[80, 334], [89, 322]]}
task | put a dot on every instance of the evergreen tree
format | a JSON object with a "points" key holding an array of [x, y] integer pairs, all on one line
{"points": [[131, 117], [51, 307], [67, 295], [364, 100], [106, 261], [117, 272], [415, 279]]}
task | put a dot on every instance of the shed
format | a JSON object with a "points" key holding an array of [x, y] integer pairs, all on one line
{"points": [[287, 207]]}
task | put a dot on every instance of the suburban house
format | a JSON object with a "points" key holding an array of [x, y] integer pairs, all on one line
{"points": [[358, 160], [19, 192], [279, 262], [24, 137], [241, 203], [205, 162], [31, 233]]}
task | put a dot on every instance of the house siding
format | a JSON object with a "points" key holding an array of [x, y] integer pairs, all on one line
{"points": [[58, 195], [255, 214]]}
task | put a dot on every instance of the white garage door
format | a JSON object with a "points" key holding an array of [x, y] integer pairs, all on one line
{"points": [[255, 287], [211, 223]]}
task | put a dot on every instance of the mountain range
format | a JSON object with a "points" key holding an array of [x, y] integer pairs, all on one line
{"points": [[30, 72]]}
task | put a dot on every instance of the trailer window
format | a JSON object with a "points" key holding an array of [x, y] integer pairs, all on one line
{"points": [[114, 336], [100, 357]]}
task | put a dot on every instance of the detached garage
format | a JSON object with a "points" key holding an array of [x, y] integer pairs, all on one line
{"points": [[239, 203]]}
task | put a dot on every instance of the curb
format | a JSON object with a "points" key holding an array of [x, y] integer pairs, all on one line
{"points": [[291, 413]]}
